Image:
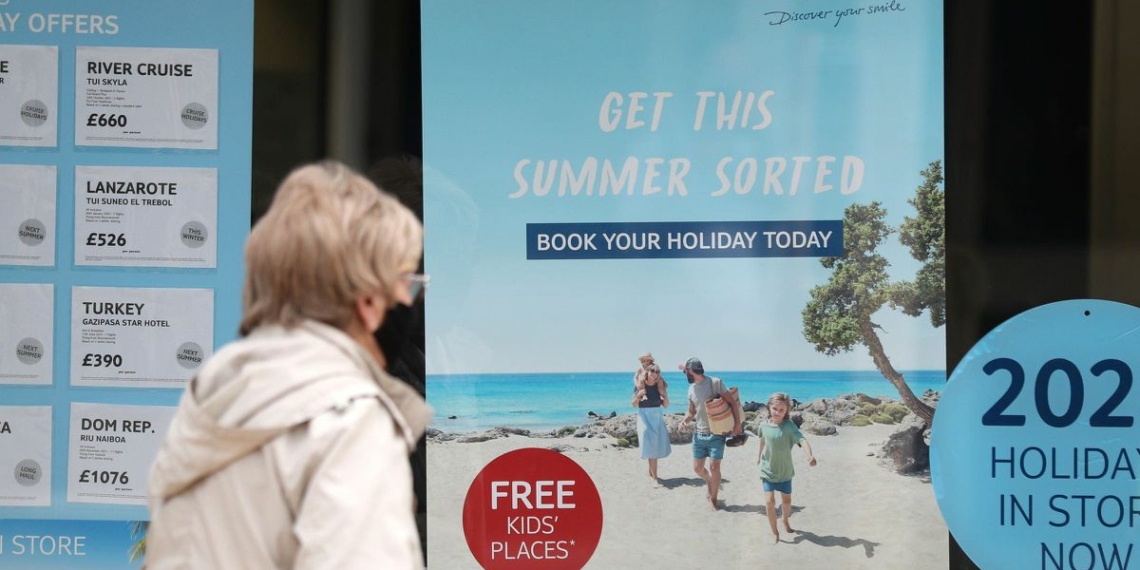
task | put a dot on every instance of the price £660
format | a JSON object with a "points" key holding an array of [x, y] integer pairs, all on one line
{"points": [[106, 120], [104, 477], [103, 360]]}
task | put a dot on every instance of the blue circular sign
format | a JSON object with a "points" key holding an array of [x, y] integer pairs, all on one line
{"points": [[1035, 447]]}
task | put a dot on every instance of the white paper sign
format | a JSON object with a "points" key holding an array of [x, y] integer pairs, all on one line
{"points": [[29, 101], [146, 97], [139, 338], [26, 311], [146, 217], [25, 456], [110, 449], [27, 218]]}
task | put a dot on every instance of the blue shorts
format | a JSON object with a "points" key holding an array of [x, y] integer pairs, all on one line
{"points": [[784, 487], [711, 446]]}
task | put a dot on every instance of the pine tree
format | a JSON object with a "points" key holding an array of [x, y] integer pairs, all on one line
{"points": [[840, 312]]}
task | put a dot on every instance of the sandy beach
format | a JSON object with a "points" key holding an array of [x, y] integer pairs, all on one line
{"points": [[850, 511]]}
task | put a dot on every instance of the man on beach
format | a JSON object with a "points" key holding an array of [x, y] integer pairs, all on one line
{"points": [[707, 445]]}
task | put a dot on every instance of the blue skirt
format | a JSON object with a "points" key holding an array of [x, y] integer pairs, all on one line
{"points": [[652, 435]]}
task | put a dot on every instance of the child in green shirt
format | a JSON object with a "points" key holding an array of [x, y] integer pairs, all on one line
{"points": [[777, 436]]}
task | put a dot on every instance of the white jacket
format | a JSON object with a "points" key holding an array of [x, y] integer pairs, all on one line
{"points": [[289, 450]]}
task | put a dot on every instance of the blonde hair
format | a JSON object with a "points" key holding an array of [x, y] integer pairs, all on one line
{"points": [[780, 397], [329, 238]]}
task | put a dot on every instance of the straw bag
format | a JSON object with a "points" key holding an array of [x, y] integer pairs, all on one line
{"points": [[720, 416]]}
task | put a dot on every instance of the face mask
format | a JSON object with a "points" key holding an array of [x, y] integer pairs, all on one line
{"points": [[401, 340]]}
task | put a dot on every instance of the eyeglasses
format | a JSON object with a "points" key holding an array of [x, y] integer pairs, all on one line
{"points": [[417, 283]]}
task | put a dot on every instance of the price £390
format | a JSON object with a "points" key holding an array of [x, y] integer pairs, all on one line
{"points": [[103, 360], [104, 477]]}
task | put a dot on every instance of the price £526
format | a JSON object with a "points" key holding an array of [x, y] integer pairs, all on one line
{"points": [[104, 240]]}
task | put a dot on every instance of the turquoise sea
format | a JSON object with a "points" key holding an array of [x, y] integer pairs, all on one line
{"points": [[543, 402]]}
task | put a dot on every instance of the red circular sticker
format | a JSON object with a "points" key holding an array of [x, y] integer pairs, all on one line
{"points": [[532, 508]]}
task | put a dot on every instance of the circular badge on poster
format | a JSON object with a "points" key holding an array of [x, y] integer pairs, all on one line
{"points": [[28, 473], [189, 355], [33, 113], [1035, 448], [194, 234], [32, 232], [195, 116], [532, 508], [29, 350]]}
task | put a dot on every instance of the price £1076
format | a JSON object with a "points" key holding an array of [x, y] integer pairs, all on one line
{"points": [[104, 477]]}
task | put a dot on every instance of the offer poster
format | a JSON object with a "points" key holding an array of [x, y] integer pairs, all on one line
{"points": [[110, 449], [25, 456], [754, 184], [146, 97], [27, 221], [140, 338], [146, 217], [29, 99], [120, 271], [26, 348]]}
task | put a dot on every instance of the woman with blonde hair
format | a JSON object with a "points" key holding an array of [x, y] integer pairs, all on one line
{"points": [[290, 448], [652, 434]]}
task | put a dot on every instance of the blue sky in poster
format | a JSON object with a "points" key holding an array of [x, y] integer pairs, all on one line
{"points": [[522, 80]]}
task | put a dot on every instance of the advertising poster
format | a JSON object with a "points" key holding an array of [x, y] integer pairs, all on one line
{"points": [[1034, 457], [27, 222], [120, 272], [25, 456], [29, 80], [26, 338], [149, 217], [141, 338], [111, 448], [756, 185], [146, 98]]}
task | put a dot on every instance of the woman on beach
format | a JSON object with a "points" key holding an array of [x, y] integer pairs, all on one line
{"points": [[652, 435], [777, 437]]}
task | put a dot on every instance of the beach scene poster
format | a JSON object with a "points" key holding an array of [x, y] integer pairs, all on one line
{"points": [[754, 184]]}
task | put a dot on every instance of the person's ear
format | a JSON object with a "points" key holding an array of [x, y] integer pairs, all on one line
{"points": [[370, 310]]}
